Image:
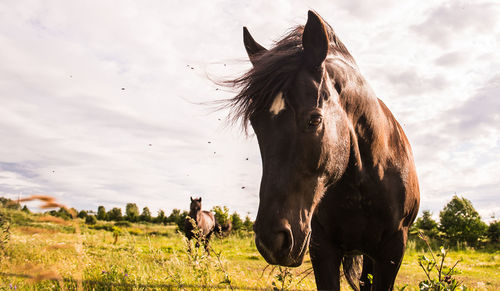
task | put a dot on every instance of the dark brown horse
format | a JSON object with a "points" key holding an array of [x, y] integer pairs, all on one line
{"points": [[200, 224], [338, 170]]}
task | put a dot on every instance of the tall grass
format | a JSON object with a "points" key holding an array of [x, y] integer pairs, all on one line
{"points": [[142, 255]]}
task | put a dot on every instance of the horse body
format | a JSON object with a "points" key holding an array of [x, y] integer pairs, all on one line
{"points": [[338, 171], [203, 221]]}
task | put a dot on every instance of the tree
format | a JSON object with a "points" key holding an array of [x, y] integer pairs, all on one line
{"points": [[174, 216], [248, 224], [223, 220], [221, 214], [493, 232], [9, 203], [160, 218], [461, 222], [115, 214], [82, 214], [132, 212], [101, 213], [146, 215], [236, 221], [427, 225], [62, 213]]}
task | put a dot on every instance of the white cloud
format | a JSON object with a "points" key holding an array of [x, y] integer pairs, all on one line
{"points": [[68, 129]]}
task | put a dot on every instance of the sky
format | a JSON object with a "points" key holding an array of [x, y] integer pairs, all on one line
{"points": [[108, 102]]}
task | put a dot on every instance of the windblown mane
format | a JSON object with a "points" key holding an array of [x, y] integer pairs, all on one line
{"points": [[273, 71]]}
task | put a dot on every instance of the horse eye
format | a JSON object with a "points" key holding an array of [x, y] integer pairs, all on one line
{"points": [[315, 120]]}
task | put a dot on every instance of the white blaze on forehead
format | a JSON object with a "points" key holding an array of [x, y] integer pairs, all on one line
{"points": [[278, 104]]}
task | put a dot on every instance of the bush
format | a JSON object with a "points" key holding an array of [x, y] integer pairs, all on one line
{"points": [[61, 213], [25, 209], [90, 220], [123, 223], [4, 233], [135, 231], [107, 227], [181, 224]]}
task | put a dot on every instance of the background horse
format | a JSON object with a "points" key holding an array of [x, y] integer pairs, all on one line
{"points": [[199, 223], [338, 170]]}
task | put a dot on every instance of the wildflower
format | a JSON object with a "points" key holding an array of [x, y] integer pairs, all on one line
{"points": [[103, 272]]}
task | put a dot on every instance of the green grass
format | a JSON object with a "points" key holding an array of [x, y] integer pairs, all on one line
{"points": [[156, 254]]}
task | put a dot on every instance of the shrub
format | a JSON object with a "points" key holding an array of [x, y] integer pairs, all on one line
{"points": [[26, 209], [181, 221], [123, 223], [438, 275], [135, 231], [4, 233], [107, 227], [90, 220]]}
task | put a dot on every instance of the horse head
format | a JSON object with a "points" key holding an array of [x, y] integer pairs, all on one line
{"points": [[302, 131]]}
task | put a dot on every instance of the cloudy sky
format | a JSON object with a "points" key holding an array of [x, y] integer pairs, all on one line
{"points": [[100, 100]]}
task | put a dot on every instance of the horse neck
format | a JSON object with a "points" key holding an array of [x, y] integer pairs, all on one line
{"points": [[368, 122], [194, 214]]}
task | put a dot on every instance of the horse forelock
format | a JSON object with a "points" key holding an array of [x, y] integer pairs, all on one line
{"points": [[263, 87]]}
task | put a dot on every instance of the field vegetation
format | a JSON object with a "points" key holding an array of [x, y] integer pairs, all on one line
{"points": [[44, 251]]}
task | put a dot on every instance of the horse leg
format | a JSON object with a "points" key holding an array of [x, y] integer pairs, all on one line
{"points": [[364, 281], [207, 240], [326, 259], [388, 261]]}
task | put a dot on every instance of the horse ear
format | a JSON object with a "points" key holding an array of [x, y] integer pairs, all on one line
{"points": [[200, 199], [253, 48], [191, 198], [315, 40]]}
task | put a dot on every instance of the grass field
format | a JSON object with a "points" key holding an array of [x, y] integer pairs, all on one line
{"points": [[140, 255]]}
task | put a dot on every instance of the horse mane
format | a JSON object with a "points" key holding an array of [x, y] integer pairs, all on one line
{"points": [[273, 72]]}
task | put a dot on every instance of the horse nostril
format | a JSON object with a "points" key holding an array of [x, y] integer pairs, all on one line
{"points": [[283, 242], [275, 246]]}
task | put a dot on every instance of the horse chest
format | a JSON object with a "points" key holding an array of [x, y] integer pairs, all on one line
{"points": [[357, 220]]}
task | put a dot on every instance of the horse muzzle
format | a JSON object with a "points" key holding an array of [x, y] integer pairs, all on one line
{"points": [[281, 247]]}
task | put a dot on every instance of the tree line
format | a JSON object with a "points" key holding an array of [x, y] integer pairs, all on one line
{"points": [[459, 222], [133, 215]]}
